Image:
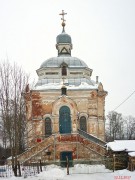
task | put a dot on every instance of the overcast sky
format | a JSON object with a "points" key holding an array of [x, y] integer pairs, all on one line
{"points": [[103, 35]]}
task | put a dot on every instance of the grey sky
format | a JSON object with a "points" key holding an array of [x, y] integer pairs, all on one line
{"points": [[102, 31]]}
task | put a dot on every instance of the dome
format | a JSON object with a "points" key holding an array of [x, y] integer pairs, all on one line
{"points": [[63, 38], [70, 61]]}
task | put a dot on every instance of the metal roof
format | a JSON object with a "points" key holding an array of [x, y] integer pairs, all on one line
{"points": [[69, 81], [63, 38], [57, 61]]}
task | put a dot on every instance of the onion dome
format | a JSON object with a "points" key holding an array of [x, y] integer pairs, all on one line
{"points": [[63, 38]]}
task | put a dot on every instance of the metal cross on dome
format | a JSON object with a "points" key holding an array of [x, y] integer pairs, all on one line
{"points": [[63, 14]]}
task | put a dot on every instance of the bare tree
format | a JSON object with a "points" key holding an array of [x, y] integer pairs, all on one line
{"points": [[114, 126], [13, 81], [129, 122], [119, 127]]}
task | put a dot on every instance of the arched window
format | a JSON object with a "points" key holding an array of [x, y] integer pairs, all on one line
{"points": [[48, 127], [64, 71], [83, 124]]}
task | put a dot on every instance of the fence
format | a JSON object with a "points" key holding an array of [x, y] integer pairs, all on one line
{"points": [[117, 162], [26, 170], [105, 165], [6, 171]]}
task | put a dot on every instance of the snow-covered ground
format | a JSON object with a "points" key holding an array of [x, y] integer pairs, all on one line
{"points": [[78, 172]]}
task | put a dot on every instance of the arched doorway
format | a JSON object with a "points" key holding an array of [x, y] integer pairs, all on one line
{"points": [[64, 120], [83, 124], [48, 127]]}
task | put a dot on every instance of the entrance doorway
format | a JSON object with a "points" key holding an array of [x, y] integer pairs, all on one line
{"points": [[63, 158], [64, 120]]}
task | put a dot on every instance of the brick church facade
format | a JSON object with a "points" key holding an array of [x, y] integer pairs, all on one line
{"points": [[65, 110]]}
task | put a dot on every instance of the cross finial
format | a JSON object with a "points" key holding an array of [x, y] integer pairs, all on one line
{"points": [[63, 20]]}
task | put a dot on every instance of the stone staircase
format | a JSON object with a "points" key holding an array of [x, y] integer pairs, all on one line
{"points": [[33, 151], [92, 143], [88, 141]]}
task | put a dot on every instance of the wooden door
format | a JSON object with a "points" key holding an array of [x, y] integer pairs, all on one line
{"points": [[64, 120]]}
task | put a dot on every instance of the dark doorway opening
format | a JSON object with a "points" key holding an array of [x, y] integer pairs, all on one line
{"points": [[63, 158]]}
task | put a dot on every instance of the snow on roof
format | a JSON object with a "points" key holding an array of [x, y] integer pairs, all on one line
{"points": [[83, 85], [122, 145], [131, 154]]}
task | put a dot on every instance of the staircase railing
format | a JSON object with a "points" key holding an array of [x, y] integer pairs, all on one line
{"points": [[91, 137]]}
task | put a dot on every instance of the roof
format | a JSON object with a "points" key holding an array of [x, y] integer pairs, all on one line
{"points": [[70, 86], [121, 145], [63, 38], [70, 61], [132, 154]]}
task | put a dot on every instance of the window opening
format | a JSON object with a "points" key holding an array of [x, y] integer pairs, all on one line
{"points": [[83, 124], [64, 71], [48, 127], [63, 91]]}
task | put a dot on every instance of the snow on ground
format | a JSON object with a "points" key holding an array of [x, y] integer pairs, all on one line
{"points": [[79, 172]]}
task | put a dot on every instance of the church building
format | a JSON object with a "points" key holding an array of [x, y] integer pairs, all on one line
{"points": [[65, 109]]}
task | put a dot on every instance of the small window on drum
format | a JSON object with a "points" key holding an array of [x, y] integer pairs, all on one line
{"points": [[63, 91], [64, 71]]}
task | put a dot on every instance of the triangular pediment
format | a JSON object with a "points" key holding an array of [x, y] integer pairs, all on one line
{"points": [[64, 50]]}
